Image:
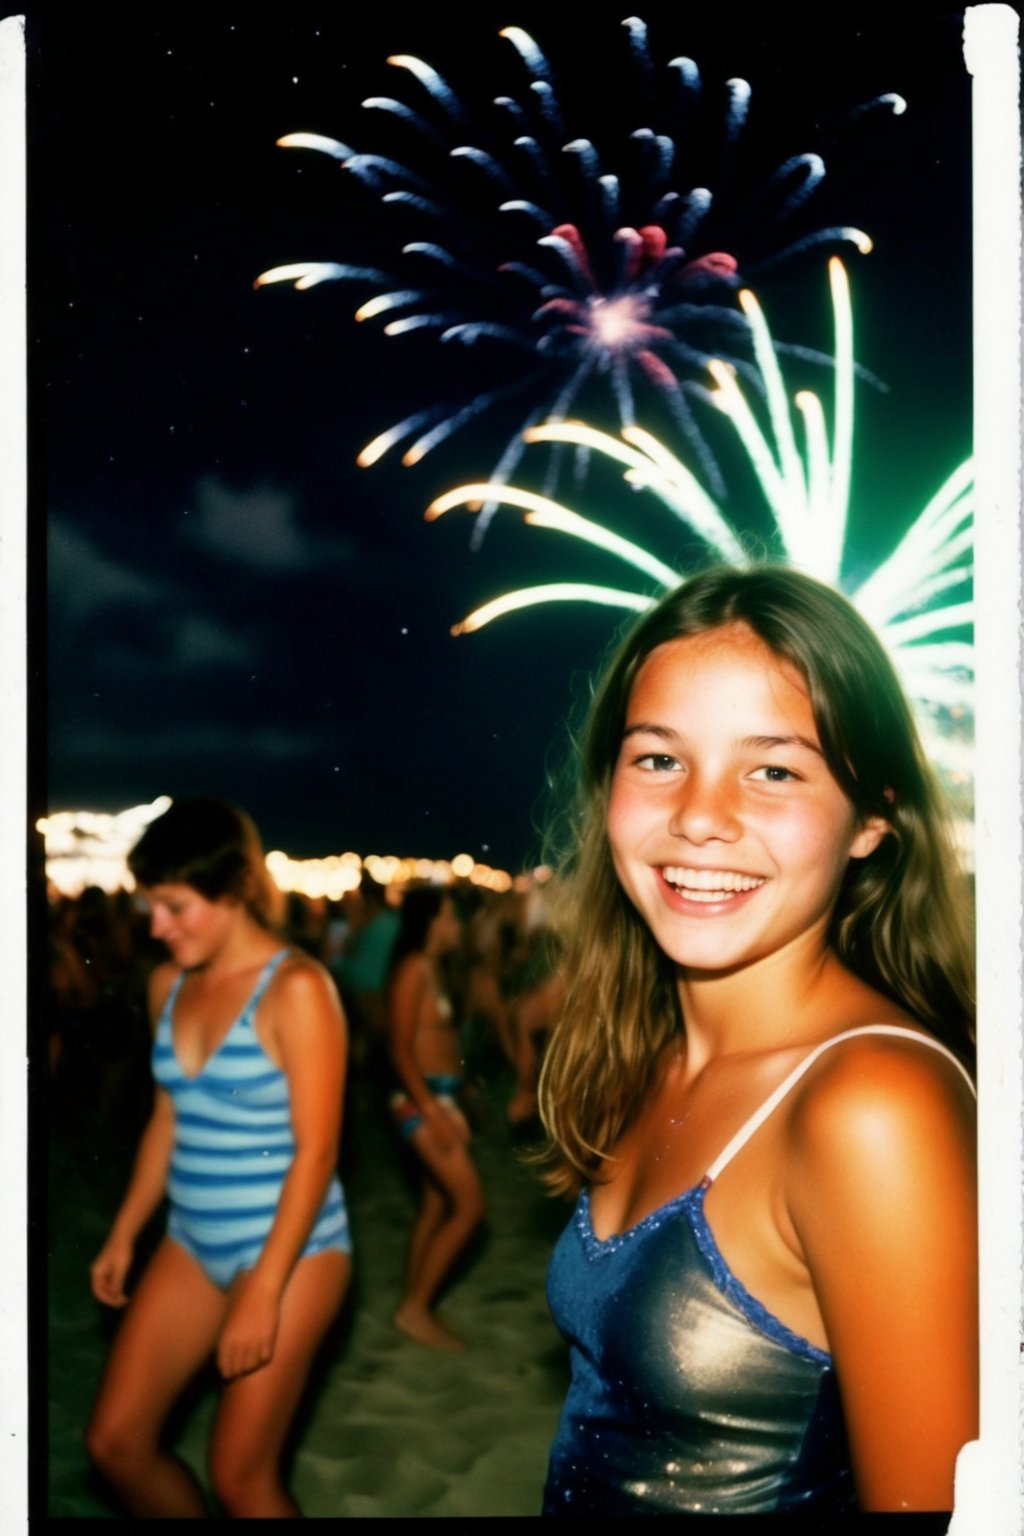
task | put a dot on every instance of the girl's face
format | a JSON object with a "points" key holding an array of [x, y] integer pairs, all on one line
{"points": [[727, 830], [193, 926]]}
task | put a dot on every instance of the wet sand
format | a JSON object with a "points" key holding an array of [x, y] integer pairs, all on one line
{"points": [[388, 1428]]}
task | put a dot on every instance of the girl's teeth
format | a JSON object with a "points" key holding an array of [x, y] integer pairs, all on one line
{"points": [[709, 884]]}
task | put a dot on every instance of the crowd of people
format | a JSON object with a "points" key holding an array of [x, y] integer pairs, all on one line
{"points": [[750, 1048], [101, 950]]}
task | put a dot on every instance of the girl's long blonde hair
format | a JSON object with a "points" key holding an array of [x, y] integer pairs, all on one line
{"points": [[899, 922]]}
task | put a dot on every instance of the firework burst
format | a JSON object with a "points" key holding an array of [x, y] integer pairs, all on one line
{"points": [[593, 275], [917, 598]]}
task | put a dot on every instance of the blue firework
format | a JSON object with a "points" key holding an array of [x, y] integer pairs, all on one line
{"points": [[580, 268]]}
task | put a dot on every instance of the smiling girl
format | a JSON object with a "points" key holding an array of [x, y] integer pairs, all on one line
{"points": [[249, 1062], [769, 1282]]}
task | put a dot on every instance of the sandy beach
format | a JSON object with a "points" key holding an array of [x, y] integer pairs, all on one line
{"points": [[388, 1428]]}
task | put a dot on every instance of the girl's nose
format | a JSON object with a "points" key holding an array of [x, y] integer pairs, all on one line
{"points": [[157, 923], [704, 809]]}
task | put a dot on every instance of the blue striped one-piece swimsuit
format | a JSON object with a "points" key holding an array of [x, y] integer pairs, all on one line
{"points": [[233, 1146]]}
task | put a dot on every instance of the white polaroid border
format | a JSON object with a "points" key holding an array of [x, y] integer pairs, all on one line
{"points": [[989, 1470], [13, 788]]}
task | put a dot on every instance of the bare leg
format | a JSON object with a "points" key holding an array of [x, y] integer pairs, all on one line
{"points": [[455, 1176], [533, 1014], [523, 1103], [432, 1212], [169, 1329], [256, 1410]]}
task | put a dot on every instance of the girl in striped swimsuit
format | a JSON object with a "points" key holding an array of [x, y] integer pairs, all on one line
{"points": [[249, 1061]]}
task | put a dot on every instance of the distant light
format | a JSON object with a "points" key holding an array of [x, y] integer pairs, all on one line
{"points": [[91, 847]]}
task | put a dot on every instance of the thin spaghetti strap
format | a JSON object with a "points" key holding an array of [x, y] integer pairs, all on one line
{"points": [[773, 1100], [264, 979], [167, 1011]]}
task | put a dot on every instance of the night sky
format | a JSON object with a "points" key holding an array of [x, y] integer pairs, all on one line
{"points": [[234, 606]]}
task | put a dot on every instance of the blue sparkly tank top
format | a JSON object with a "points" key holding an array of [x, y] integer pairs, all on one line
{"points": [[687, 1395]]}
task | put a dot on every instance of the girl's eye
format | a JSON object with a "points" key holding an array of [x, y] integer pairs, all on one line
{"points": [[775, 774], [657, 762]]}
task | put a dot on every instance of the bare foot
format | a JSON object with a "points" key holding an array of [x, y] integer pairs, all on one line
{"points": [[425, 1328]]}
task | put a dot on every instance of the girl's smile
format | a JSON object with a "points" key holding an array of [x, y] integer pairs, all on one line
{"points": [[718, 888], [727, 829]]}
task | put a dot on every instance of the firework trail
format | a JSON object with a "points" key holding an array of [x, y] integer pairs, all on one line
{"points": [[917, 599], [592, 275]]}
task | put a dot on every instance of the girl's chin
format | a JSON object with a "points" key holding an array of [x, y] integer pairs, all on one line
{"points": [[185, 955]]}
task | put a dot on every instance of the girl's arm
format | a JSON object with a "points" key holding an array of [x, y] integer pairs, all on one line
{"points": [[885, 1205], [312, 1045], [148, 1182], [408, 993]]}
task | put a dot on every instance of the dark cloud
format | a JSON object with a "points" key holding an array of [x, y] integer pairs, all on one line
{"points": [[156, 631], [179, 741], [83, 577], [176, 643], [253, 527]]}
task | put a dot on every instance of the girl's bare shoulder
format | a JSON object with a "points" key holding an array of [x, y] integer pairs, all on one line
{"points": [[300, 980], [878, 1101], [301, 1013]]}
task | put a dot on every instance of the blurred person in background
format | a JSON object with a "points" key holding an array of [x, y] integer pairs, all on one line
{"points": [[426, 1058]]}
